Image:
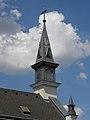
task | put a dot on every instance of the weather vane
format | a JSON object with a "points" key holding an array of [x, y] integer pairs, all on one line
{"points": [[44, 20]]}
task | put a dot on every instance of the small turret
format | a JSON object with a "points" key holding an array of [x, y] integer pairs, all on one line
{"points": [[71, 109]]}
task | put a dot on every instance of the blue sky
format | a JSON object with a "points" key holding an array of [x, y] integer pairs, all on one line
{"points": [[20, 28]]}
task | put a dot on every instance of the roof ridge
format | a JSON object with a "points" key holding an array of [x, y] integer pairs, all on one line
{"points": [[12, 90]]}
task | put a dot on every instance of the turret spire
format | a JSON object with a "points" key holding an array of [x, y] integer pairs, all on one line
{"points": [[71, 109], [71, 105], [71, 101]]}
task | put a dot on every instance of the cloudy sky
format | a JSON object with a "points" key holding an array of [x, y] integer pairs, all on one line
{"points": [[69, 34]]}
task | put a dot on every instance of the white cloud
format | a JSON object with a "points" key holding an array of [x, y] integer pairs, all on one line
{"points": [[3, 13], [3, 4], [68, 118], [67, 46], [81, 64], [82, 75], [18, 51], [79, 112], [16, 13], [66, 107], [8, 27]]}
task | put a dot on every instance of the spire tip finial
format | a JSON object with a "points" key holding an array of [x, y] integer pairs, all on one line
{"points": [[44, 20]]}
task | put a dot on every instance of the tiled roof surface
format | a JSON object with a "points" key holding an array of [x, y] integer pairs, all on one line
{"points": [[11, 100]]}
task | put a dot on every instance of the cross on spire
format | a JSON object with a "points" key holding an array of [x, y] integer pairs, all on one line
{"points": [[44, 20]]}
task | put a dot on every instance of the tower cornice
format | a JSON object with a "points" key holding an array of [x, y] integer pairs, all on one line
{"points": [[45, 63]]}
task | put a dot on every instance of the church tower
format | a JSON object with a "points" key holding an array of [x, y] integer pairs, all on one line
{"points": [[45, 80]]}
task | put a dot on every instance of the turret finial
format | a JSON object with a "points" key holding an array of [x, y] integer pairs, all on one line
{"points": [[44, 20]]}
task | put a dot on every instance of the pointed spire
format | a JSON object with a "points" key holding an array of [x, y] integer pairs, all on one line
{"points": [[71, 110], [71, 101], [44, 51]]}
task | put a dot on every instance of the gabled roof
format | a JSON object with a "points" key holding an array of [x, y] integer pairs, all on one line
{"points": [[13, 103], [58, 106]]}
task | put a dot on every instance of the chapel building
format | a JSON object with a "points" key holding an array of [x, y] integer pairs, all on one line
{"points": [[43, 104]]}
